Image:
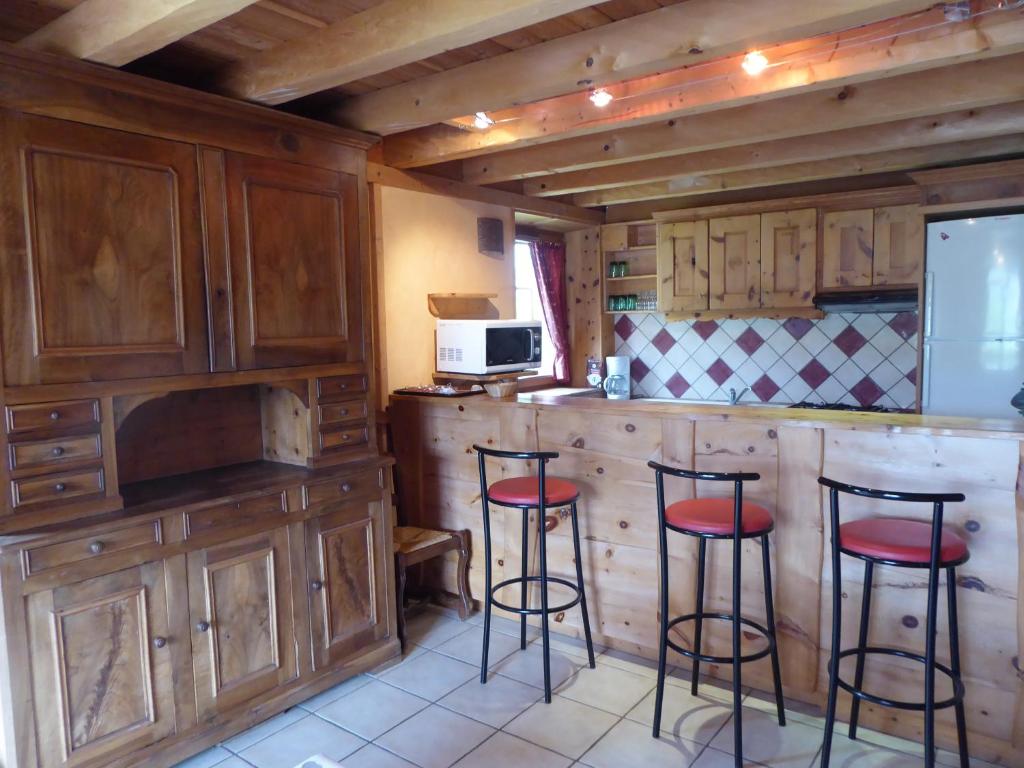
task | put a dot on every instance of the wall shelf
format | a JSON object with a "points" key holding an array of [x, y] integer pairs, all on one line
{"points": [[630, 277]]}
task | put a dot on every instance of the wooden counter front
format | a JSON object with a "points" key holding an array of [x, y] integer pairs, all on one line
{"points": [[604, 447]]}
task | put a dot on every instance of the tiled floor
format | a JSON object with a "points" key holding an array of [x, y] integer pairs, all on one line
{"points": [[430, 711]]}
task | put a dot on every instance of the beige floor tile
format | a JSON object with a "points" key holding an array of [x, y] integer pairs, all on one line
{"points": [[412, 652], [373, 709], [712, 758], [495, 703], [246, 739], [292, 744], [435, 738], [510, 626], [207, 759], [609, 688], [429, 629], [372, 756], [430, 675], [629, 744], [508, 751], [638, 665], [234, 762], [468, 646], [765, 741], [693, 718], [564, 726], [571, 645], [335, 693], [528, 666], [861, 754]]}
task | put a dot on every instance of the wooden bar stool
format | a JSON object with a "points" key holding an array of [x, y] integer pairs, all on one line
{"points": [[524, 494], [903, 544], [709, 519]]}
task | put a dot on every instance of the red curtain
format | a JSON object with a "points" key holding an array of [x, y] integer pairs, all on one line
{"points": [[549, 266]]}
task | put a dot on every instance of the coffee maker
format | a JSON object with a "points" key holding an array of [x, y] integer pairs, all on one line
{"points": [[616, 385]]}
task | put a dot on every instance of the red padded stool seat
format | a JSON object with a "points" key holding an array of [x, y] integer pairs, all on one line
{"points": [[905, 541], [715, 516], [522, 491]]}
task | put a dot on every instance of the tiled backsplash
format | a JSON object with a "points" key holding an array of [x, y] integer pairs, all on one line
{"points": [[860, 359]]}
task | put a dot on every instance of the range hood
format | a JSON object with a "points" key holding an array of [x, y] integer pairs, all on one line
{"points": [[868, 300]]}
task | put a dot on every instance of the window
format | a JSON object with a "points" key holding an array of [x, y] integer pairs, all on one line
{"points": [[528, 305]]}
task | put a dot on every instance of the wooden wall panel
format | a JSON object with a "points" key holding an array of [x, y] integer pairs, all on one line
{"points": [[590, 330]]}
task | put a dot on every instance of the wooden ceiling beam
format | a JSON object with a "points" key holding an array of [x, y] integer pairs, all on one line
{"points": [[857, 165], [383, 37], [116, 32], [952, 88], [964, 125], [667, 38]]}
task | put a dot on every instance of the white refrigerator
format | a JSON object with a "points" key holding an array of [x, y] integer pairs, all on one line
{"points": [[974, 316]]}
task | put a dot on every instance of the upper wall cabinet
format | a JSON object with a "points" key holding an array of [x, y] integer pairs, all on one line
{"points": [[294, 245], [788, 258], [866, 248], [899, 245], [683, 266], [101, 254], [735, 262]]}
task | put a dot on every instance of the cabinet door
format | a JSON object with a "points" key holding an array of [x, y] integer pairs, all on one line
{"points": [[683, 266], [899, 245], [614, 237], [101, 666], [243, 635], [348, 591], [295, 263], [735, 262], [101, 256], [788, 256], [847, 257]]}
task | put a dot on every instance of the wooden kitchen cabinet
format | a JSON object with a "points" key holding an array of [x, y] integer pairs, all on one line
{"points": [[243, 630], [788, 258], [734, 262], [294, 261], [872, 247], [682, 254], [102, 231], [899, 245], [847, 256], [102, 678]]}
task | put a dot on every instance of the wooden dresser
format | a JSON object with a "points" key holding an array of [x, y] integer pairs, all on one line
{"points": [[196, 528]]}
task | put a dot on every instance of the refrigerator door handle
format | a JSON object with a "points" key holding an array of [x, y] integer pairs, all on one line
{"points": [[926, 380], [929, 291]]}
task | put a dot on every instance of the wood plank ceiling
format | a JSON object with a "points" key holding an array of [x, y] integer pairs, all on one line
{"points": [[855, 90]]}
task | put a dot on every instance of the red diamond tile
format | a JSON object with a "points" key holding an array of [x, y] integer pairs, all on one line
{"points": [[912, 375], [798, 327], [677, 385], [814, 374], [663, 341], [765, 388], [905, 324], [638, 369], [705, 328], [624, 327], [866, 391], [749, 341], [850, 341], [720, 371]]}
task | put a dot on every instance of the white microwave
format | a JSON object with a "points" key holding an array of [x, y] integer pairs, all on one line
{"points": [[487, 346]]}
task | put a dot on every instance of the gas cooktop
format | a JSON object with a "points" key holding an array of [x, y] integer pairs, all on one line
{"points": [[844, 407]]}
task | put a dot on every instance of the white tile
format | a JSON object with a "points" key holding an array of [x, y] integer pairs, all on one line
{"points": [[508, 751], [765, 357], [494, 703], [678, 328], [234, 762], [691, 370], [372, 756], [563, 726], [831, 357], [429, 629], [631, 744], [765, 326], [848, 374], [638, 665], [904, 357], [528, 666], [651, 325], [712, 758], [861, 754], [412, 652], [736, 383], [571, 645], [650, 355], [904, 393], [247, 738], [704, 386], [719, 341], [468, 646], [749, 372], [430, 675], [795, 390], [664, 370], [306, 737], [868, 324], [704, 356], [781, 372], [886, 375], [781, 341], [798, 356], [832, 325], [373, 709], [765, 741], [886, 340], [814, 340], [677, 356], [207, 759], [333, 694], [605, 687], [735, 356], [435, 738], [692, 718], [867, 358], [733, 327]]}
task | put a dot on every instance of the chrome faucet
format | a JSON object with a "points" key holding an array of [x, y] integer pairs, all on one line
{"points": [[734, 396]]}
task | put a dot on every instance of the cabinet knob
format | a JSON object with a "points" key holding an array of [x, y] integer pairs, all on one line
{"points": [[60, 487], [159, 642], [343, 411], [54, 415], [58, 451], [345, 437], [317, 585], [203, 626], [346, 487], [343, 385], [96, 547]]}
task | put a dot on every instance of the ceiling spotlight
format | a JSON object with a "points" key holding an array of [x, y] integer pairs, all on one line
{"points": [[754, 63], [601, 98], [482, 121]]}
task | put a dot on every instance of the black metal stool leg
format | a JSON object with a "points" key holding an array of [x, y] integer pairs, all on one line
{"points": [[862, 641], [954, 653], [837, 623], [488, 597], [769, 605], [702, 552], [737, 695], [579, 582], [525, 586], [544, 603], [659, 695], [929, 654]]}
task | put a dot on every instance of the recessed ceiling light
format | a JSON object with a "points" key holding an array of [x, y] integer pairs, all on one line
{"points": [[754, 63], [601, 98], [482, 121]]}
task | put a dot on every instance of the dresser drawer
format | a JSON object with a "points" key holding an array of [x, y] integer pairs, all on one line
{"points": [[234, 513], [54, 453], [56, 487], [346, 437], [362, 486], [63, 415], [334, 413], [335, 387], [94, 546]]}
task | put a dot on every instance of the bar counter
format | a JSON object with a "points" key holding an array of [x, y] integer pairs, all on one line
{"points": [[604, 448]]}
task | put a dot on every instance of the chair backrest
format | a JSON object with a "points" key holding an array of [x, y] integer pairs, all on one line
{"points": [[736, 478], [541, 457]]}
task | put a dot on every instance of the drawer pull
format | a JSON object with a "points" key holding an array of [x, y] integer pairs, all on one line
{"points": [[57, 451], [159, 642], [60, 487], [203, 626], [342, 385], [54, 415], [345, 437], [346, 487], [317, 585], [96, 547]]}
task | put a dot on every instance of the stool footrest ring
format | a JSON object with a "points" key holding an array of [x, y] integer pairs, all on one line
{"points": [[521, 581], [720, 659], [914, 706]]}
